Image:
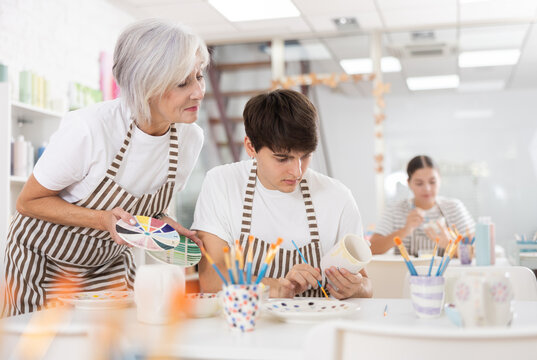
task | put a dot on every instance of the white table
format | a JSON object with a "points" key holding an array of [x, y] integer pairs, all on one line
{"points": [[211, 339]]}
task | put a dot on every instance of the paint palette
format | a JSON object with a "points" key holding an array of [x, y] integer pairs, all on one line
{"points": [[186, 253], [98, 299], [148, 233], [308, 309]]}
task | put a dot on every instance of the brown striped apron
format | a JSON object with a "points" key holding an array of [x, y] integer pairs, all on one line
{"points": [[284, 259], [43, 259]]}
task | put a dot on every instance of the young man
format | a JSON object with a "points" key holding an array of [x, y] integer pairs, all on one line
{"points": [[274, 194]]}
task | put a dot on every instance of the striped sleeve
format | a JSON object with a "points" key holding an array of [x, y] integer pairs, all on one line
{"points": [[387, 223], [459, 215]]}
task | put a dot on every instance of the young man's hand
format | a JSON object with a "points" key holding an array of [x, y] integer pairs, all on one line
{"points": [[346, 284]]}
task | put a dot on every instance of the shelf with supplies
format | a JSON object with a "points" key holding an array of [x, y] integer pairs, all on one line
{"points": [[33, 112], [18, 180], [22, 122]]}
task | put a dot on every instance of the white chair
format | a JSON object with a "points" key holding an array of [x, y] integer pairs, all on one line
{"points": [[387, 274], [523, 279], [348, 340]]}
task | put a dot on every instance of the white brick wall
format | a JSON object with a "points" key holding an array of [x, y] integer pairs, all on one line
{"points": [[59, 39]]}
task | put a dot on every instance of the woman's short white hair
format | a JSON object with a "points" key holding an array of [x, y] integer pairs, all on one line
{"points": [[152, 56]]}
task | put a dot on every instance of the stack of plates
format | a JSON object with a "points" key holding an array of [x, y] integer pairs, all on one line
{"points": [[160, 241], [187, 253]]}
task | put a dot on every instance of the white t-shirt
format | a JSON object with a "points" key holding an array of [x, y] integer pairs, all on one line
{"points": [[81, 150], [275, 214], [394, 218]]}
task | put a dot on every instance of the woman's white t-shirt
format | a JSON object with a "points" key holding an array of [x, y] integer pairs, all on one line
{"points": [[452, 210], [81, 150], [275, 213]]}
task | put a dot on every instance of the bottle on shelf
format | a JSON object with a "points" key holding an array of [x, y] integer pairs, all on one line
{"points": [[11, 153], [30, 161], [40, 151], [20, 157], [484, 242]]}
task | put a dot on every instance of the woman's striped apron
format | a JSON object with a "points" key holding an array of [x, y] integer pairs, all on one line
{"points": [[43, 259], [284, 259]]}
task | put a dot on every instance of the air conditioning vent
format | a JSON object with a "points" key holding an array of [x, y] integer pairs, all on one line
{"points": [[421, 50], [422, 35]]}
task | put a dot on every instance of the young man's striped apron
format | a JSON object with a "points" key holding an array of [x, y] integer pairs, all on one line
{"points": [[284, 259], [44, 259]]}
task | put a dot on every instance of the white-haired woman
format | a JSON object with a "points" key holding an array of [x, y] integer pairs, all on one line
{"points": [[108, 162]]}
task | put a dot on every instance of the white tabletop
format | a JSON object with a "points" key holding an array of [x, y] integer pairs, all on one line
{"points": [[210, 338]]}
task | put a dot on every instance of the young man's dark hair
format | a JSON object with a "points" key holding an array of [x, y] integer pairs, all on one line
{"points": [[281, 120]]}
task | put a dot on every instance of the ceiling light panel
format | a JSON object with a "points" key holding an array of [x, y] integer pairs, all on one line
{"points": [[489, 58], [365, 65], [250, 10], [497, 10], [492, 37], [433, 82]]}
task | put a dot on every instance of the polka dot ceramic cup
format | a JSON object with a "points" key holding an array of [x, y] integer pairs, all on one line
{"points": [[241, 306]]}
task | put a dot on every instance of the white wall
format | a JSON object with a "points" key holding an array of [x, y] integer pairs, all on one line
{"points": [[481, 142], [59, 39], [347, 123]]}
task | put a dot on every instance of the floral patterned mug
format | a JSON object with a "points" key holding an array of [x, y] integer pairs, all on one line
{"points": [[484, 299]]}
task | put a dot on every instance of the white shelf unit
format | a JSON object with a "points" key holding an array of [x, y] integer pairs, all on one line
{"points": [[36, 125]]}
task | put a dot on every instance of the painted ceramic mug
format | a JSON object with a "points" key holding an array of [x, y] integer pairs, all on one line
{"points": [[241, 305], [465, 253], [155, 290], [427, 294], [352, 253], [484, 299]]}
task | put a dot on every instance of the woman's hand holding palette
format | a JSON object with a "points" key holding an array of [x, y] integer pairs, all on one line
{"points": [[148, 233]]}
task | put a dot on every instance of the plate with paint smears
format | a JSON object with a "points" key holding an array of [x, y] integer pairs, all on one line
{"points": [[308, 310], [186, 253], [148, 233], [99, 300]]}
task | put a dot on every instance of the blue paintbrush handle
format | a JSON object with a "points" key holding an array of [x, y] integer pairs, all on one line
{"points": [[411, 268], [249, 273], [431, 266], [239, 273], [220, 274], [231, 278], [445, 266], [262, 273]]}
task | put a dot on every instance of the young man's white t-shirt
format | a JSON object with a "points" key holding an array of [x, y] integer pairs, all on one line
{"points": [[81, 150], [275, 214]]}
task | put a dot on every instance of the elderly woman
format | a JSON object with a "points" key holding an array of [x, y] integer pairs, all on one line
{"points": [[108, 162]]}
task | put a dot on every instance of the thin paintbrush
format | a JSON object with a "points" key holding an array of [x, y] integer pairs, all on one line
{"points": [[249, 260], [239, 261], [210, 260], [305, 262], [405, 256], [432, 258], [227, 260]]}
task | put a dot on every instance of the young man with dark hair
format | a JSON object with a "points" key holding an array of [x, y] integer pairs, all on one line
{"points": [[274, 194]]}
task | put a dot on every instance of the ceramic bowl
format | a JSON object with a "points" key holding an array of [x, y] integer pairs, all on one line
{"points": [[202, 305]]}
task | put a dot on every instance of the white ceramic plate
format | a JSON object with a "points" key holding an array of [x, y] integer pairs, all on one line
{"points": [[99, 300], [307, 310]]}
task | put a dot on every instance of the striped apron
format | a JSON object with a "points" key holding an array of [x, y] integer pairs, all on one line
{"points": [[284, 259], [44, 260], [418, 239]]}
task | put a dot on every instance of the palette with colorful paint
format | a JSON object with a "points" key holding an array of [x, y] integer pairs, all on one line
{"points": [[148, 233], [309, 309], [186, 253], [107, 299]]}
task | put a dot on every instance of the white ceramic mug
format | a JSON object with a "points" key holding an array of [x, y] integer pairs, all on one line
{"points": [[352, 253], [484, 299], [155, 288]]}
